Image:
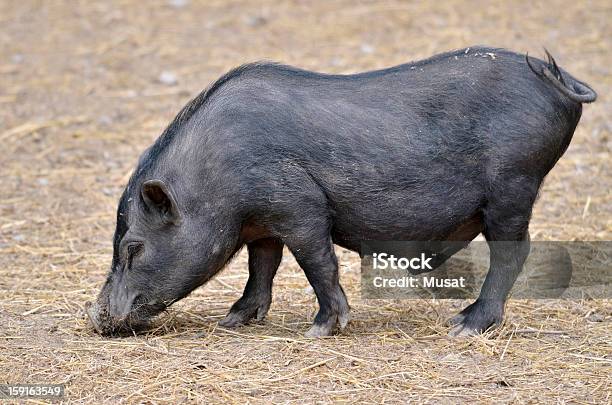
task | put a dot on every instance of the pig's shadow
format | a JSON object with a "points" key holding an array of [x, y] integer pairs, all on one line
{"points": [[200, 324]]}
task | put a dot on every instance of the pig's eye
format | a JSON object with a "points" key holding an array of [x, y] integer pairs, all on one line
{"points": [[133, 250]]}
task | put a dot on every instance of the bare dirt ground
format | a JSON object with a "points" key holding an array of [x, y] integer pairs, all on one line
{"points": [[86, 86]]}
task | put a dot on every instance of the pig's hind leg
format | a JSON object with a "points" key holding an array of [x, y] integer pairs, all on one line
{"points": [[264, 258], [506, 218]]}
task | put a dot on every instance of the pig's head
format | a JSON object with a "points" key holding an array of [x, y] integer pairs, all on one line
{"points": [[162, 250]]}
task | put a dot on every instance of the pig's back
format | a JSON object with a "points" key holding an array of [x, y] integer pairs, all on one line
{"points": [[458, 103]]}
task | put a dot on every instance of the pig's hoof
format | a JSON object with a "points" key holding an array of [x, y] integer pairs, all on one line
{"points": [[477, 318], [239, 315], [340, 315], [462, 331], [457, 319], [233, 320], [327, 328], [320, 330]]}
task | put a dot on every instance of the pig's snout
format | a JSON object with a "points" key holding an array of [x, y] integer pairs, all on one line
{"points": [[93, 313], [104, 322], [110, 312], [121, 301], [111, 315]]}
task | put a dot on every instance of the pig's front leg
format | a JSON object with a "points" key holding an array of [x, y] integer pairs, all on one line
{"points": [[315, 255], [264, 258]]}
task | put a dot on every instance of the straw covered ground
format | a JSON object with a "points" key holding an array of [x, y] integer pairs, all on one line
{"points": [[86, 86]]}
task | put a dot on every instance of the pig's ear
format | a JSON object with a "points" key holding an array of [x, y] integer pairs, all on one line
{"points": [[159, 199]]}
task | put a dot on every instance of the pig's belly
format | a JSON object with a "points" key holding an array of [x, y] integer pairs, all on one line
{"points": [[349, 229]]}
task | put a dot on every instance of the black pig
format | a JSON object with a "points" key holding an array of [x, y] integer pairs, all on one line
{"points": [[272, 156]]}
